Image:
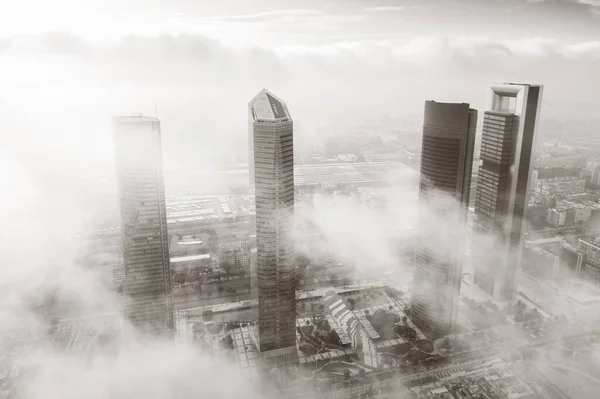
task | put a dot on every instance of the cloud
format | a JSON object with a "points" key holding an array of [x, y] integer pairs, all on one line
{"points": [[48, 43], [384, 8], [267, 15], [593, 3]]}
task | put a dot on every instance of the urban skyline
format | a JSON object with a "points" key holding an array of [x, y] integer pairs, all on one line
{"points": [[391, 220]]}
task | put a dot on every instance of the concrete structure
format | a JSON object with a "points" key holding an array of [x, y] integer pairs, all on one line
{"points": [[234, 248], [560, 186], [550, 258], [502, 190], [191, 263], [589, 258], [557, 217], [446, 162], [568, 213], [474, 177], [147, 285], [273, 160]]}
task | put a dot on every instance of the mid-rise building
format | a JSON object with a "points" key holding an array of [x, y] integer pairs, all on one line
{"points": [[560, 186], [147, 285], [234, 249], [595, 174], [508, 135], [588, 260], [273, 170], [446, 162]]}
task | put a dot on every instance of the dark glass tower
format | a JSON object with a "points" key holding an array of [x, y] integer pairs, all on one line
{"points": [[446, 164], [147, 285], [502, 187], [273, 177]]}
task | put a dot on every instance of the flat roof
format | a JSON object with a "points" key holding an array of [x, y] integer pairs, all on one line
{"points": [[189, 258]]}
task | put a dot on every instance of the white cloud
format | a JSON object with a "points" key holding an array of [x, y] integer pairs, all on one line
{"points": [[267, 15], [384, 8]]}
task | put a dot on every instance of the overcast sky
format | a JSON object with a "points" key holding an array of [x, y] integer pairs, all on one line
{"points": [[66, 66]]}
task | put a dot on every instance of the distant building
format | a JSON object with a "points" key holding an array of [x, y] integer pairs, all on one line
{"points": [[502, 189], [589, 258], [595, 174], [147, 285], [273, 160], [558, 172], [568, 214], [191, 263], [560, 186], [550, 258], [188, 245], [447, 158], [557, 217], [234, 249]]}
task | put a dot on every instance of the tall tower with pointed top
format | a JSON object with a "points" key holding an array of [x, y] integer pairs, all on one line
{"points": [[272, 173]]}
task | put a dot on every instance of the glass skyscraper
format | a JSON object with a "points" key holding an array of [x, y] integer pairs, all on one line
{"points": [[147, 285], [446, 164], [502, 188], [272, 168]]}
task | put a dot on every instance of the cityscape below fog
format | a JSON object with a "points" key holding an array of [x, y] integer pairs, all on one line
{"points": [[452, 302], [334, 199]]}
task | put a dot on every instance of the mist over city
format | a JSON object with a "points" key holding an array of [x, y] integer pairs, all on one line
{"points": [[313, 199]]}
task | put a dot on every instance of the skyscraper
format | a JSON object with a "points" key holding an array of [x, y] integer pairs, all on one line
{"points": [[147, 285], [446, 164], [273, 170], [502, 188]]}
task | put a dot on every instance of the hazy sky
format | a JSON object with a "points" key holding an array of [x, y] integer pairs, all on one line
{"points": [[66, 66]]}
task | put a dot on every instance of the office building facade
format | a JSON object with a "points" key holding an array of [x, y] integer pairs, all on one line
{"points": [[446, 165], [273, 170], [508, 135], [147, 285]]}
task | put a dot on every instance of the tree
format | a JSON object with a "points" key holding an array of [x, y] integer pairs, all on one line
{"points": [[347, 374], [180, 278], [226, 267], [404, 319]]}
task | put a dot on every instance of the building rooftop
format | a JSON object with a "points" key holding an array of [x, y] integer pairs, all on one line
{"points": [[189, 258], [595, 241], [265, 106]]}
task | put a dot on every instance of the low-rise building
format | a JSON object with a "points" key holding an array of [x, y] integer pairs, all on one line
{"points": [[560, 186], [589, 258], [192, 263], [234, 249]]}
